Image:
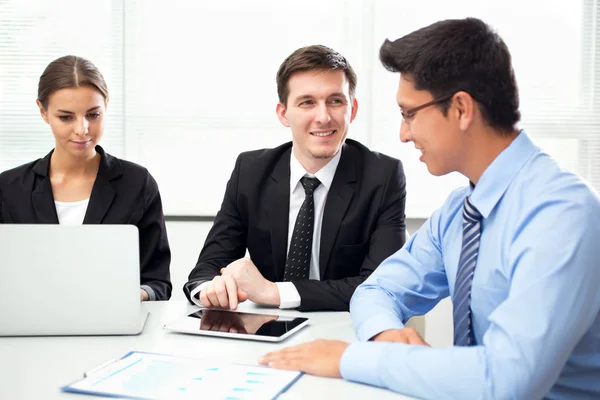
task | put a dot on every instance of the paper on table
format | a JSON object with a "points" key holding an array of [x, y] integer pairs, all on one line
{"points": [[156, 376]]}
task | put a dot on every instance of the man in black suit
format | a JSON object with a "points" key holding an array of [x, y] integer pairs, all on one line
{"points": [[316, 215]]}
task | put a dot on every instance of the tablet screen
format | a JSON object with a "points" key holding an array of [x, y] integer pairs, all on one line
{"points": [[245, 323]]}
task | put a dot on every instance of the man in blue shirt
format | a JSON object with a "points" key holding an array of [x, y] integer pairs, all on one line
{"points": [[517, 250]]}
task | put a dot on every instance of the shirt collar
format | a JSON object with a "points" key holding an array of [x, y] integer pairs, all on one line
{"points": [[324, 175], [501, 172]]}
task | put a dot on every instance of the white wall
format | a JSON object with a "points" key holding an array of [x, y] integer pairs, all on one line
{"points": [[186, 240]]}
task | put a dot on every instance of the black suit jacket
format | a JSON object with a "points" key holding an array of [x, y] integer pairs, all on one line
{"points": [[123, 193], [363, 222]]}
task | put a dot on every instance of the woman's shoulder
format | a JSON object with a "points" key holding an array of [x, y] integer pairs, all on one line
{"points": [[21, 172], [112, 166], [132, 173]]}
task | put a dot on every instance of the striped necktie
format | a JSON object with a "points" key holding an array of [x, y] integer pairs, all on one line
{"points": [[463, 328]]}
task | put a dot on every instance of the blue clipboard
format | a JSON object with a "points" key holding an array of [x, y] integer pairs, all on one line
{"points": [[149, 376]]}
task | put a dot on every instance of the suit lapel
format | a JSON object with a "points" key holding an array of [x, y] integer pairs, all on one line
{"points": [[41, 197], [103, 192], [338, 199], [100, 200], [278, 195], [43, 203], [102, 197]]}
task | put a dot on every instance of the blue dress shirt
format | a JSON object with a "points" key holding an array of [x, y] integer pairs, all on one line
{"points": [[535, 297]]}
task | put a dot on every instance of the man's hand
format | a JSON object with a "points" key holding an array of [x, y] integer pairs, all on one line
{"points": [[320, 357], [250, 281], [222, 292], [144, 295], [406, 335]]}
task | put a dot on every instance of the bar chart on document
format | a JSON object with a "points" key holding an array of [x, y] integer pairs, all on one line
{"points": [[156, 376]]}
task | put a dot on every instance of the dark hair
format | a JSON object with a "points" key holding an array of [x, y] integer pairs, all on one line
{"points": [[69, 72], [312, 58], [459, 55]]}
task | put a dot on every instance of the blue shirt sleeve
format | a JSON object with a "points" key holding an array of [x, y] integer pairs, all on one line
{"points": [[408, 283], [417, 371], [552, 301]]}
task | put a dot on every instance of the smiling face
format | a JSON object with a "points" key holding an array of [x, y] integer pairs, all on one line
{"points": [[319, 112], [438, 137], [76, 118]]}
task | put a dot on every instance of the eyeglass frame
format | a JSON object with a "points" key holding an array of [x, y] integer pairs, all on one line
{"points": [[408, 114]]}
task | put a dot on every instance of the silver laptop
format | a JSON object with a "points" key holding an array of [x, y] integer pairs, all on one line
{"points": [[70, 280]]}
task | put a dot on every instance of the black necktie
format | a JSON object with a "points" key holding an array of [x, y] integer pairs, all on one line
{"points": [[297, 265]]}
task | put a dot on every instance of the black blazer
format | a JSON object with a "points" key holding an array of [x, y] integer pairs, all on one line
{"points": [[123, 193], [363, 222]]}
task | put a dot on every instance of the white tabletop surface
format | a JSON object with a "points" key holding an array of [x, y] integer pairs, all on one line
{"points": [[36, 367]]}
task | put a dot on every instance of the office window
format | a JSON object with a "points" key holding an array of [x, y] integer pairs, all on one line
{"points": [[32, 34], [553, 46], [204, 91], [200, 85], [193, 83]]}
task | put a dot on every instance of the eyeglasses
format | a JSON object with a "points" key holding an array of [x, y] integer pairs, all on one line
{"points": [[408, 114]]}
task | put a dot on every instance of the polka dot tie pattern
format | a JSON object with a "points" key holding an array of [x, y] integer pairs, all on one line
{"points": [[297, 265]]}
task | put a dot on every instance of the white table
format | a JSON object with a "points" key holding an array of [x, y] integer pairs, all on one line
{"points": [[36, 367]]}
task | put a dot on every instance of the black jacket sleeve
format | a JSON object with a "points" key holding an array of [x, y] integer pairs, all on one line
{"points": [[155, 255], [1, 217]]}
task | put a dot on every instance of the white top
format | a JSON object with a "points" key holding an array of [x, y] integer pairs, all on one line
{"points": [[72, 212], [288, 294]]}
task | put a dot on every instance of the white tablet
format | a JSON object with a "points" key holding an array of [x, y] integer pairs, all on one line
{"points": [[239, 325]]}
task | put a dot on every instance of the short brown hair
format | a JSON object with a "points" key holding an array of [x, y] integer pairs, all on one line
{"points": [[69, 72], [312, 58]]}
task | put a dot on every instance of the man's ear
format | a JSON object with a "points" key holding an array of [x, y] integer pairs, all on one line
{"points": [[354, 109], [464, 105], [282, 115], [43, 111]]}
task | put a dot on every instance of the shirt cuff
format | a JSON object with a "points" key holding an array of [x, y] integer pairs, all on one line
{"points": [[288, 295], [150, 291], [197, 290], [377, 324]]}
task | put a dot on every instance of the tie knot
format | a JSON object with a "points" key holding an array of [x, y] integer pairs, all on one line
{"points": [[309, 184], [470, 213]]}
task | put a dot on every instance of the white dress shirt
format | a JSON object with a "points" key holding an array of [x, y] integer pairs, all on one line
{"points": [[288, 294], [71, 212]]}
